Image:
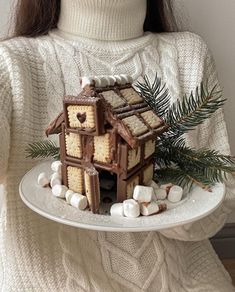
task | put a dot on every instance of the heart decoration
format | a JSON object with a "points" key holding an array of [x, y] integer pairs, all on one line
{"points": [[81, 117]]}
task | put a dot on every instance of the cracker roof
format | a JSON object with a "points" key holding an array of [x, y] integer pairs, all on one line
{"points": [[125, 110]]}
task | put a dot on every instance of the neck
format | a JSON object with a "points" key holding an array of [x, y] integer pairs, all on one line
{"points": [[103, 19]]}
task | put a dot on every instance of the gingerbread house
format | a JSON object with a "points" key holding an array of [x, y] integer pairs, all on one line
{"points": [[107, 132]]}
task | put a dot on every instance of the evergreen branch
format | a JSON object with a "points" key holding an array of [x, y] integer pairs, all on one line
{"points": [[43, 149], [155, 95], [210, 163], [192, 111]]}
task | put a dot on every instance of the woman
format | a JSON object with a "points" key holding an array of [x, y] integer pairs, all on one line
{"points": [[55, 43]]}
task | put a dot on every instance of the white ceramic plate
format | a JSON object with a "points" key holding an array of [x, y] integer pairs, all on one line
{"points": [[197, 204]]}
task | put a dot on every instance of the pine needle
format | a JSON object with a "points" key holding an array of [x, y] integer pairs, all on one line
{"points": [[43, 149], [155, 95], [184, 115]]}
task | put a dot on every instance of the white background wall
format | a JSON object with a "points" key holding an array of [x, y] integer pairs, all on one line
{"points": [[214, 20], [4, 15]]}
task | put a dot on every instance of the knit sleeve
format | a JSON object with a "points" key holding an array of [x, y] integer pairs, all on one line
{"points": [[212, 134], [5, 112]]}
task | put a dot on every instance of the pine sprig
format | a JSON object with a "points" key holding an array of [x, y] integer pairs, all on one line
{"points": [[209, 163], [177, 161], [156, 95], [184, 115], [43, 149]]}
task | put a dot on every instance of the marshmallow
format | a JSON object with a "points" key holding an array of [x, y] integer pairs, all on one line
{"points": [[143, 194], [86, 81], [166, 187], [112, 80], [59, 191], [153, 184], [126, 79], [103, 81], [55, 179], [78, 201], [98, 82], [68, 195], [56, 166], [129, 79], [43, 181], [56, 175], [147, 209], [117, 210], [175, 194], [106, 81], [160, 194], [119, 79], [131, 208]]}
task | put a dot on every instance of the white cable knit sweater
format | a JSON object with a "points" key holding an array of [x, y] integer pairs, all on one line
{"points": [[39, 255]]}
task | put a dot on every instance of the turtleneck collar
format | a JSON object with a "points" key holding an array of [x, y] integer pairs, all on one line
{"points": [[110, 20]]}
